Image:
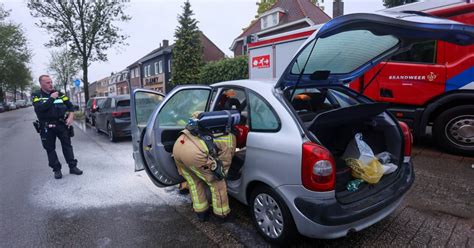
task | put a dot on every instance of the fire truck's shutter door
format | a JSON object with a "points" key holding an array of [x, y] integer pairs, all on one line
{"points": [[284, 53], [261, 62]]}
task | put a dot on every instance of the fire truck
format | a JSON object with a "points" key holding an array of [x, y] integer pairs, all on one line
{"points": [[430, 86]]}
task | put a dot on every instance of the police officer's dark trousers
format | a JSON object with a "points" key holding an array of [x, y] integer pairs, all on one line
{"points": [[48, 138]]}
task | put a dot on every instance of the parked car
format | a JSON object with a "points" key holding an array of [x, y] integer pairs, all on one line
{"points": [[2, 108], [91, 107], [5, 106], [11, 105], [20, 103], [299, 128], [112, 116]]}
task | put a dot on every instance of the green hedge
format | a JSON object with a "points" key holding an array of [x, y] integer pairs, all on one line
{"points": [[225, 70]]}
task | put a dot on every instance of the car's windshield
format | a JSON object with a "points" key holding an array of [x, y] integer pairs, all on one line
{"points": [[343, 52]]}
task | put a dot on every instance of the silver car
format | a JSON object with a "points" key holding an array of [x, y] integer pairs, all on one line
{"points": [[290, 170]]}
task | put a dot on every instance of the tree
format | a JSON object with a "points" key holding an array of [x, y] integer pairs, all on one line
{"points": [[86, 26], [187, 51], [64, 66], [393, 3], [14, 56], [265, 5]]}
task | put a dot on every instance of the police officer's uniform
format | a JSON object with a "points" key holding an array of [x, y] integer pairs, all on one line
{"points": [[51, 114]]}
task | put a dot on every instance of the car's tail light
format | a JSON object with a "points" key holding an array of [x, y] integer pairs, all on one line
{"points": [[318, 170], [407, 136], [119, 113]]}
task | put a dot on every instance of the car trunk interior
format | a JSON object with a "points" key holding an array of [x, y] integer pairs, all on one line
{"points": [[335, 127]]}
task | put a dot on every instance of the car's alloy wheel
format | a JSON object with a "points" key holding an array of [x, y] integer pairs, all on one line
{"points": [[268, 215], [271, 216]]}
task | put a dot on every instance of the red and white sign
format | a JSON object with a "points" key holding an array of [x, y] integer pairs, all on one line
{"points": [[261, 61]]}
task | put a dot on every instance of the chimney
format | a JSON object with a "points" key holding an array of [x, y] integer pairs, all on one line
{"points": [[337, 8], [165, 43]]}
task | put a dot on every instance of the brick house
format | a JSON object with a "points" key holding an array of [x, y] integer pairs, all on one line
{"points": [[102, 87], [153, 71], [122, 82], [93, 89], [283, 16]]}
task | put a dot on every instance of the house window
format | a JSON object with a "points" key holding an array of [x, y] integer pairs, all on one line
{"points": [[136, 72], [169, 65], [160, 67], [270, 20], [156, 68], [148, 70], [132, 74]]}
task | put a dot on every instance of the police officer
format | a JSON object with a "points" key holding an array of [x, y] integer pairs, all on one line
{"points": [[56, 114]]}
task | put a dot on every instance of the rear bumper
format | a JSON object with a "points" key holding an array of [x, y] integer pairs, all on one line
{"points": [[326, 218], [122, 128]]}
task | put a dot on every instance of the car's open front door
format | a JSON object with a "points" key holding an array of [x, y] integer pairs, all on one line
{"points": [[164, 127], [143, 103]]}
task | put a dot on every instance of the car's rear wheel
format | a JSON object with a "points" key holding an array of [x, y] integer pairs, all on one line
{"points": [[111, 132], [271, 216], [454, 130]]}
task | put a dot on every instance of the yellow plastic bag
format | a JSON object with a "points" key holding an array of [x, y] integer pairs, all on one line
{"points": [[371, 172]]}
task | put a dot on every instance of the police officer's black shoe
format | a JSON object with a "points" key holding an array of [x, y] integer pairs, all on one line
{"points": [[204, 216], [75, 171], [58, 174]]}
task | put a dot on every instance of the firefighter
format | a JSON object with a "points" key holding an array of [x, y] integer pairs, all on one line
{"points": [[55, 114], [195, 163]]}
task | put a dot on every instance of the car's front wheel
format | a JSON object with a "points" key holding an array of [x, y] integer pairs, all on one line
{"points": [[454, 130], [271, 216]]}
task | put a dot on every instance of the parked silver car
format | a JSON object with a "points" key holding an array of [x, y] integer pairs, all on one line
{"points": [[299, 127], [20, 103], [11, 106]]}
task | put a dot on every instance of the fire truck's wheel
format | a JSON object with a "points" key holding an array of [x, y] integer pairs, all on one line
{"points": [[454, 130]]}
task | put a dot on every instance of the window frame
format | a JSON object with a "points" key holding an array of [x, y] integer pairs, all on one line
{"points": [[251, 129], [435, 57], [157, 119]]}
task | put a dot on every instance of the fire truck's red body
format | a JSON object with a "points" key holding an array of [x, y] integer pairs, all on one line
{"points": [[427, 84], [431, 85]]}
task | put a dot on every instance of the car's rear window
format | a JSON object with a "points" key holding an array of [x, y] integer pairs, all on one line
{"points": [[343, 52], [123, 103]]}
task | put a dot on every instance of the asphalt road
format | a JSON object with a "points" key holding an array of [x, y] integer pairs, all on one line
{"points": [[112, 206]]}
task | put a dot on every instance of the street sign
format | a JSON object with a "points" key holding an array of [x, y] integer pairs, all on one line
{"points": [[77, 82]]}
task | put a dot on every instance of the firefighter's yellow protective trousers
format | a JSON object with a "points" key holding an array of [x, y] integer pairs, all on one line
{"points": [[194, 164]]}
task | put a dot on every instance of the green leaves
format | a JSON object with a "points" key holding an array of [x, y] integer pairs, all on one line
{"points": [[64, 66], [225, 70], [393, 3], [87, 26], [14, 56]]}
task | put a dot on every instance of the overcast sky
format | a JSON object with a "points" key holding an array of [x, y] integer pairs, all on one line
{"points": [[155, 20]]}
